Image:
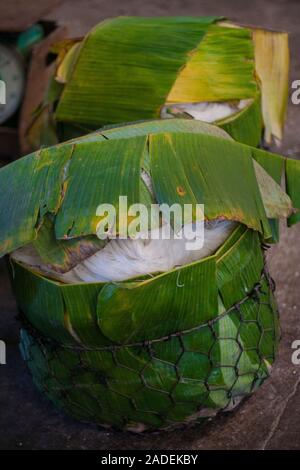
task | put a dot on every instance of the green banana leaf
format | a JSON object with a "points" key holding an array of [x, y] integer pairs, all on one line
{"points": [[179, 377], [100, 314], [118, 48], [247, 125], [70, 180], [230, 77], [292, 172], [129, 68], [272, 68], [63, 255], [162, 349]]}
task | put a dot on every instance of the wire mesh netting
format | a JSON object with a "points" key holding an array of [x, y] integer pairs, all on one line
{"points": [[183, 377]]}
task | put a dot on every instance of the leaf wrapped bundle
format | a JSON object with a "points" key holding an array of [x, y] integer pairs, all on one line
{"points": [[131, 68], [166, 348]]}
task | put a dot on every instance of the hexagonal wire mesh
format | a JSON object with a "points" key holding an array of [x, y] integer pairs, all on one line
{"points": [[183, 377]]}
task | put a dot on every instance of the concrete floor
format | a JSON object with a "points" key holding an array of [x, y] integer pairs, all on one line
{"points": [[270, 419]]}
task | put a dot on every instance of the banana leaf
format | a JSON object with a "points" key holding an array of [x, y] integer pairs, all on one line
{"points": [[292, 172], [272, 67], [70, 180], [247, 125], [183, 376], [129, 68], [163, 42], [63, 255], [230, 77], [165, 348]]}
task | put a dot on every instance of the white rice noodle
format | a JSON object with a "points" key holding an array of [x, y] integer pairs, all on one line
{"points": [[120, 259], [206, 111]]}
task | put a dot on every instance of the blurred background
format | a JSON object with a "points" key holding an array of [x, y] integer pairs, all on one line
{"points": [[270, 419]]}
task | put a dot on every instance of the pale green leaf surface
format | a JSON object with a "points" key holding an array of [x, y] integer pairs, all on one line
{"points": [[171, 302], [239, 268], [205, 176], [292, 175], [127, 67], [99, 175], [246, 126], [30, 187]]}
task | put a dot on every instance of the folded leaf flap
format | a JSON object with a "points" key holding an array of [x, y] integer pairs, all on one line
{"points": [[292, 176], [276, 202], [272, 67], [217, 173], [271, 162], [246, 126], [274, 165], [80, 311], [221, 68], [42, 302], [65, 68], [127, 66], [30, 188], [63, 255], [64, 313], [99, 174], [231, 240], [277, 166], [171, 302], [239, 268]]}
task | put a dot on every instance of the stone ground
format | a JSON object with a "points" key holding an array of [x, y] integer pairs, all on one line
{"points": [[270, 419]]}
